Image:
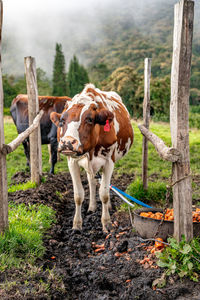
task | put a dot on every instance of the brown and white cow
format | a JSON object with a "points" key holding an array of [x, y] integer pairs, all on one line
{"points": [[19, 113], [94, 131]]}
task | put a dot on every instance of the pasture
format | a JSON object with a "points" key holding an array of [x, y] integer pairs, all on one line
{"points": [[158, 169], [73, 263]]}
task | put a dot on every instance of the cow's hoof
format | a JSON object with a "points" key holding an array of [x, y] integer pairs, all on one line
{"points": [[107, 227], [76, 231], [77, 226], [91, 209]]}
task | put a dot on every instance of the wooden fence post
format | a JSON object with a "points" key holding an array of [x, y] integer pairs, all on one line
{"points": [[179, 117], [146, 118], [33, 109], [3, 175]]}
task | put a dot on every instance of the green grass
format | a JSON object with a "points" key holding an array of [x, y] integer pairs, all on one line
{"points": [[6, 111], [22, 242], [154, 194], [21, 187], [130, 163], [16, 161]]}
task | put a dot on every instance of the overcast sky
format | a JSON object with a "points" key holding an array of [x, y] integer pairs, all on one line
{"points": [[34, 27]]}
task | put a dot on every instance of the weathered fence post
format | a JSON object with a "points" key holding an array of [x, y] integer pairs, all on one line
{"points": [[146, 118], [3, 175], [33, 109], [179, 117]]}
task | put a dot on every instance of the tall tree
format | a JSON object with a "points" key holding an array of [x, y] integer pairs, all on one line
{"points": [[126, 82], [59, 75], [77, 77]]}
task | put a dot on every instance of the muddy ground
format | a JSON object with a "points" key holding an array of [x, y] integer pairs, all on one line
{"points": [[73, 268]]}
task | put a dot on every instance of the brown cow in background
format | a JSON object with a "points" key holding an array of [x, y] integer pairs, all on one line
{"points": [[19, 113]]}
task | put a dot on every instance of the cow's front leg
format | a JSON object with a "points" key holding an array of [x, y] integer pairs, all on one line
{"points": [[104, 193], [78, 192], [27, 151], [92, 187], [54, 147]]}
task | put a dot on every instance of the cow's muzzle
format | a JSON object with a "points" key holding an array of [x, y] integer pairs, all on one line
{"points": [[70, 146]]}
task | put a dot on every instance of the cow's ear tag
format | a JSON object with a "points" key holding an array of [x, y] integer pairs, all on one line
{"points": [[107, 126]]}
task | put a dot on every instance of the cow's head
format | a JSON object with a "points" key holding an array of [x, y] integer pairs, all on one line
{"points": [[79, 126]]}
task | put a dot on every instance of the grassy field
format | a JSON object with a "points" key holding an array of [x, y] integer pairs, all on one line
{"points": [[16, 161], [131, 163]]}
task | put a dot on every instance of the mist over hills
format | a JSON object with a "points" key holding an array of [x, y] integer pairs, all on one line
{"points": [[112, 32]]}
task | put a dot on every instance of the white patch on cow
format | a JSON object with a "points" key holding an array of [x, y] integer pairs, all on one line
{"points": [[128, 145], [112, 105], [73, 127], [88, 86], [120, 153], [101, 160], [116, 125], [72, 130], [85, 163], [98, 162], [61, 131]]}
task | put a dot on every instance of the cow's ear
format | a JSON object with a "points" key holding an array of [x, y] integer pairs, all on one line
{"points": [[102, 116], [55, 118]]}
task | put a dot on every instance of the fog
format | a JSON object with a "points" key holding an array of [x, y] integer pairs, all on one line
{"points": [[33, 27]]}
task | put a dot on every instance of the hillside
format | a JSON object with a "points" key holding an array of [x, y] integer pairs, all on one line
{"points": [[108, 35], [148, 36]]}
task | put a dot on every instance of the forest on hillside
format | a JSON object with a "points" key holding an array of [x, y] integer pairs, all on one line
{"points": [[113, 55]]}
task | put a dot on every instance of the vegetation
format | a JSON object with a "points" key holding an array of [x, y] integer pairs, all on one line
{"points": [[181, 258], [77, 77], [127, 83], [130, 163], [22, 187], [116, 59], [13, 86], [155, 193], [59, 74], [22, 242]]}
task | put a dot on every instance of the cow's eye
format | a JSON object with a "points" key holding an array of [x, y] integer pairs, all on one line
{"points": [[61, 123], [89, 120]]}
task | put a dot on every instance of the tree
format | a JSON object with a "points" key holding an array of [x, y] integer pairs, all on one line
{"points": [[59, 75], [160, 98], [44, 86], [99, 72], [77, 77], [10, 91], [126, 82]]}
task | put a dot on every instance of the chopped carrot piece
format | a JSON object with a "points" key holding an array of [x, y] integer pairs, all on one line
{"points": [[158, 243], [99, 249], [128, 280]]}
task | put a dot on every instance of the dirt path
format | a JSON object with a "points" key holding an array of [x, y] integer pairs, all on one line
{"points": [[78, 269]]}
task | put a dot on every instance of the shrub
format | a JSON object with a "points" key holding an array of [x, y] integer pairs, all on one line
{"points": [[156, 191], [181, 258]]}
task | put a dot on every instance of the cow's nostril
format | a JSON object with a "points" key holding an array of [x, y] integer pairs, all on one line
{"points": [[73, 142]]}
